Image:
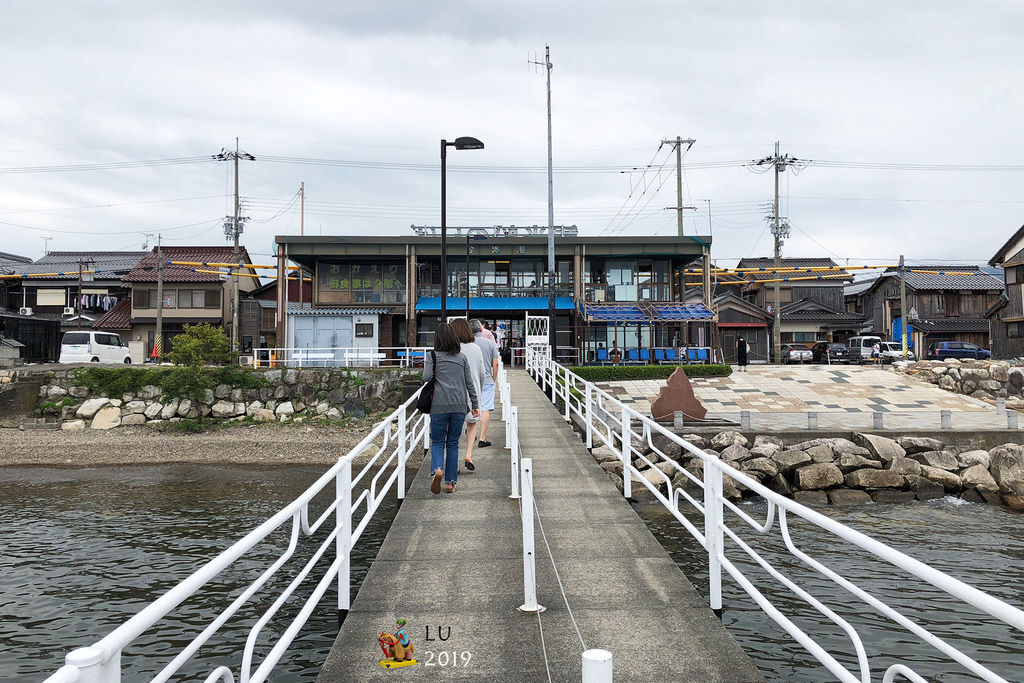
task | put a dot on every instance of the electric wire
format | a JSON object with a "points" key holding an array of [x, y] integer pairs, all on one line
{"points": [[557, 576], [540, 626], [633, 189]]}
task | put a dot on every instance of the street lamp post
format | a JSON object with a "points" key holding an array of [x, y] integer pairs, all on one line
{"points": [[474, 238], [460, 143]]}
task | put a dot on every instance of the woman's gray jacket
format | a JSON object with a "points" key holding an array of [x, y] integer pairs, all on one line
{"points": [[453, 387]]}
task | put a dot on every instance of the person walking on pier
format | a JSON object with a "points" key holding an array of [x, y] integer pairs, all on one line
{"points": [[454, 393], [742, 349], [476, 364], [492, 359]]}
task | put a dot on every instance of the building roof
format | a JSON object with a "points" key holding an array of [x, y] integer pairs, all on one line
{"points": [[858, 286], [108, 265], [117, 318], [12, 263], [768, 263], [145, 269], [734, 301], [293, 309], [1009, 248], [809, 309], [951, 325], [945, 280]]}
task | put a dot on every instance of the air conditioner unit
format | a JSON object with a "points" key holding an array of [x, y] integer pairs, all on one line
{"points": [[70, 310], [245, 360], [25, 310]]}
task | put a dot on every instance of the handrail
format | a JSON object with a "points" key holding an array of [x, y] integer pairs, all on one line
{"points": [[399, 434], [609, 422], [336, 356]]}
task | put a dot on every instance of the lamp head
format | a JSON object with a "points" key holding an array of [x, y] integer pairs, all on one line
{"points": [[467, 143]]}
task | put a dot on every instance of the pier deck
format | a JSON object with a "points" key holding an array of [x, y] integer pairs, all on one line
{"points": [[451, 565]]}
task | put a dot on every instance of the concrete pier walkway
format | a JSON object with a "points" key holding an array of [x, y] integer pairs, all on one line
{"points": [[451, 565]]}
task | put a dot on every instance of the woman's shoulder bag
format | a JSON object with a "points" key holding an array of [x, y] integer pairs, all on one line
{"points": [[426, 397]]}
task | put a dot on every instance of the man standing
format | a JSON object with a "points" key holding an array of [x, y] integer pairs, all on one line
{"points": [[489, 350]]}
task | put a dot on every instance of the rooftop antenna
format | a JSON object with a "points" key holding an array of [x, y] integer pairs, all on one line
{"points": [[46, 245]]}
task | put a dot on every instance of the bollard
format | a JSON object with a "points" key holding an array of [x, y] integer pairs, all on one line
{"points": [[514, 449], [812, 420], [597, 666], [945, 419], [677, 420], [877, 420], [1011, 419], [529, 561], [1000, 406], [745, 419]]}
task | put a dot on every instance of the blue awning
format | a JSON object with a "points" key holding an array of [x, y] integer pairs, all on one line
{"points": [[645, 313], [682, 312], [494, 303], [616, 313]]}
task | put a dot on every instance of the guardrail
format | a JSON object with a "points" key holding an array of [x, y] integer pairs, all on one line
{"points": [[338, 356], [607, 421], [398, 435]]}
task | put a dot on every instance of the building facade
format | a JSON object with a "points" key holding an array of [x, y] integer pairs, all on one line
{"points": [[1006, 316], [386, 291]]}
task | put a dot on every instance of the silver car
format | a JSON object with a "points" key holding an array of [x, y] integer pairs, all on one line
{"points": [[893, 351], [796, 353]]}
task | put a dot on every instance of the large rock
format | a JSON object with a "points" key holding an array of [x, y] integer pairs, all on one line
{"points": [[762, 468], [977, 477], [106, 418], [1015, 377], [263, 415], [666, 445], [603, 454], [1000, 372], [253, 407], [73, 425], [819, 498], [170, 409], [612, 466], [133, 419], [735, 453], [848, 462], [79, 392], [818, 476], [768, 440], [696, 440], [291, 376], [919, 444], [89, 409], [726, 439], [135, 407], [285, 408], [355, 408], [944, 460], [152, 411], [924, 488], [947, 382], [1012, 493], [971, 458], [789, 460], [223, 409], [1007, 462], [779, 484], [56, 392], [811, 443], [869, 478], [905, 466], [890, 496], [150, 392], [950, 482], [820, 453], [185, 407], [880, 447], [848, 497], [840, 446]]}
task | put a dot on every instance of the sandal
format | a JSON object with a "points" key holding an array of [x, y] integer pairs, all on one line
{"points": [[483, 444], [435, 485], [470, 466], [449, 488]]}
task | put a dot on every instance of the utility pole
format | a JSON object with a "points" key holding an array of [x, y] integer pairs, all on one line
{"points": [[302, 211], [158, 338], [780, 229], [234, 230], [903, 309], [678, 144], [551, 214], [79, 302]]}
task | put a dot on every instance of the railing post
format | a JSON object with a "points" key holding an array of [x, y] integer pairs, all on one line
{"points": [[877, 418], [627, 454], [945, 419], [343, 542], [589, 414], [1011, 419], [597, 666], [812, 420], [88, 662], [713, 532], [568, 418], [529, 556], [403, 453], [513, 444]]}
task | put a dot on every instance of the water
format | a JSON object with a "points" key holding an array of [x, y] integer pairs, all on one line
{"points": [[85, 549], [978, 544]]}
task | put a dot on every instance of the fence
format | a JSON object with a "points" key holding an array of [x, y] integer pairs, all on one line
{"points": [[339, 356], [609, 422], [398, 435]]}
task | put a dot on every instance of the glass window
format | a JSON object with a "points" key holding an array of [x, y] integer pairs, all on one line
{"points": [[211, 298], [364, 329], [140, 298], [76, 338], [170, 298], [1011, 276]]}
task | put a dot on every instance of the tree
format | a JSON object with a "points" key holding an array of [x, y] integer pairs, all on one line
{"points": [[200, 344]]}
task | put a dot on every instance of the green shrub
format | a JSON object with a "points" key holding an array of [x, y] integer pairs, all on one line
{"points": [[175, 382], [612, 373]]}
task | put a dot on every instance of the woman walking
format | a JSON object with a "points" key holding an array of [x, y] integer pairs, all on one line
{"points": [[742, 349], [476, 364], [454, 394]]}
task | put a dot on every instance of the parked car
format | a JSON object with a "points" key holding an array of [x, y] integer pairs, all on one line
{"points": [[796, 353], [860, 348], [953, 349], [893, 351], [830, 352], [86, 346]]}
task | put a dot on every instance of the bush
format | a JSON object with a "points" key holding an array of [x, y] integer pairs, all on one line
{"points": [[174, 382], [612, 373], [200, 344]]}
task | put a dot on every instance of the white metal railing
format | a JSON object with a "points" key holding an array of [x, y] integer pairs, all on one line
{"points": [[395, 437], [338, 356], [609, 422]]}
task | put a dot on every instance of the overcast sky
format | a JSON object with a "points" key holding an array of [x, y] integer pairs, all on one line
{"points": [[371, 88]]}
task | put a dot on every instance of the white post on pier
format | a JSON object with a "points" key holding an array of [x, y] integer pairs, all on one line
{"points": [[589, 414], [529, 555], [343, 542], [627, 453], [713, 534], [597, 666], [514, 445], [403, 453]]}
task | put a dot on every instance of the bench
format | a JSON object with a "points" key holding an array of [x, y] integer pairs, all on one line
{"points": [[359, 356], [302, 357]]}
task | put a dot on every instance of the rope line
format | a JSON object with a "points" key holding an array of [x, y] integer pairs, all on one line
{"points": [[557, 577], [543, 647]]}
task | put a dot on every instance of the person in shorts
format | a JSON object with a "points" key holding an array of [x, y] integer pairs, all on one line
{"points": [[492, 358]]}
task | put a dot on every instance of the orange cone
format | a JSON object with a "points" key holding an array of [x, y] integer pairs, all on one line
{"points": [[154, 354]]}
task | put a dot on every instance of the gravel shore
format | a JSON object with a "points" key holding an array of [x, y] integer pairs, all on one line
{"points": [[268, 444]]}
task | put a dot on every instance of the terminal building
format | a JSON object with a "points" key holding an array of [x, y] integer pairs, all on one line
{"points": [[384, 292]]}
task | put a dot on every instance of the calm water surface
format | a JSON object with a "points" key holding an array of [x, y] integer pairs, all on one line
{"points": [[978, 544], [85, 549]]}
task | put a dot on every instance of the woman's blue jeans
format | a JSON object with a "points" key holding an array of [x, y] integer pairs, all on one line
{"points": [[445, 431]]}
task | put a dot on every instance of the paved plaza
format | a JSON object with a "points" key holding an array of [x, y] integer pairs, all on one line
{"points": [[842, 396]]}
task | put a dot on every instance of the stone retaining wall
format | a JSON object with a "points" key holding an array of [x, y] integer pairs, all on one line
{"points": [[987, 380], [837, 470], [290, 395]]}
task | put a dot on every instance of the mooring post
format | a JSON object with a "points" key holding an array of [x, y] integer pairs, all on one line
{"points": [[1011, 419], [1000, 406], [812, 420], [677, 420], [945, 419], [745, 420], [597, 666], [877, 419]]}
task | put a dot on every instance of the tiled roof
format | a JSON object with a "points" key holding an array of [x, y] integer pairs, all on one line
{"points": [[109, 265], [293, 309], [12, 263], [145, 270], [809, 309], [117, 318], [951, 325], [858, 286], [768, 263], [943, 280]]}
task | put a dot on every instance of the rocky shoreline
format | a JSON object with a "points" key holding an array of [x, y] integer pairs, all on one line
{"points": [[837, 471]]}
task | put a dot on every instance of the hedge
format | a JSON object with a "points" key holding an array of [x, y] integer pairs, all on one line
{"points": [[172, 380], [611, 373]]}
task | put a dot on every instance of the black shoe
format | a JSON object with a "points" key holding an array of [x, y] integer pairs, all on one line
{"points": [[483, 444]]}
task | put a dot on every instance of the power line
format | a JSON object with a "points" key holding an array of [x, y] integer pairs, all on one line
{"points": [[106, 166]]}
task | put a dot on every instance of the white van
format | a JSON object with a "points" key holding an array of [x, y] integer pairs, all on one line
{"points": [[860, 348], [85, 346]]}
